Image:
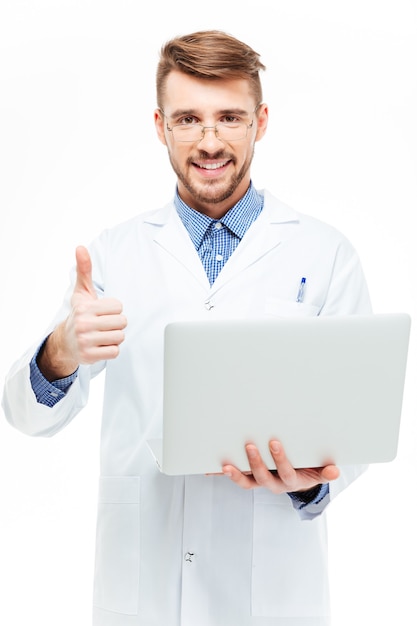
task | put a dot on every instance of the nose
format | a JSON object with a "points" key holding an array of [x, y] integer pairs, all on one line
{"points": [[209, 139]]}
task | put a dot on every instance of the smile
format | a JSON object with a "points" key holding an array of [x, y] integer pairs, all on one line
{"points": [[211, 166]]}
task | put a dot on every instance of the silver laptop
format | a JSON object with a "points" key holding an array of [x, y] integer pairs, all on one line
{"points": [[329, 388]]}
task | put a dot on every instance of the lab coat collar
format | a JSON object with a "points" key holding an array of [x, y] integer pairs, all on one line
{"points": [[276, 211], [264, 235]]}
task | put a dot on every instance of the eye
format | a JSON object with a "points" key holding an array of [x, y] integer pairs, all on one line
{"points": [[230, 119], [189, 120]]}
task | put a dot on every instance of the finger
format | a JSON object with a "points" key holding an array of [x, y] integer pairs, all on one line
{"points": [[330, 472], [84, 282], [99, 346], [244, 480], [262, 475], [291, 477], [285, 470], [106, 338], [99, 353], [103, 307], [110, 322], [256, 462]]}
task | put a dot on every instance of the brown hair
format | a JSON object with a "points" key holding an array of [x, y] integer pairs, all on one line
{"points": [[209, 55]]}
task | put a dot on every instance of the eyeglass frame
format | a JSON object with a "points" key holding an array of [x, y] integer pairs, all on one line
{"points": [[204, 128]]}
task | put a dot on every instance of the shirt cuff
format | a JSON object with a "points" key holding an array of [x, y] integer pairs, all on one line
{"points": [[315, 495], [48, 393]]}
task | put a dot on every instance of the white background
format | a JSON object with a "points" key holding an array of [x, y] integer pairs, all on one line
{"points": [[78, 152]]}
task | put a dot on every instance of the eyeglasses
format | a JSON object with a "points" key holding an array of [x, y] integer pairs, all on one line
{"points": [[225, 131]]}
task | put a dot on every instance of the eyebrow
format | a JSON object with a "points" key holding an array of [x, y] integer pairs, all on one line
{"points": [[197, 113]]}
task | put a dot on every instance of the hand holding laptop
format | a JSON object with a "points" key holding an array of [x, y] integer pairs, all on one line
{"points": [[285, 479]]}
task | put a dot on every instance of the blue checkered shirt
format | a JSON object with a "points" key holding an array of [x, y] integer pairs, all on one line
{"points": [[216, 240]]}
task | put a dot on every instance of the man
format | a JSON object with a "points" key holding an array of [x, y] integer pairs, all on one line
{"points": [[238, 549]]}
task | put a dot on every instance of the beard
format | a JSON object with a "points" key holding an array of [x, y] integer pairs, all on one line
{"points": [[211, 191]]}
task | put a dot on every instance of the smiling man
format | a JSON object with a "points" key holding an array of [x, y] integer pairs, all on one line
{"points": [[238, 548], [210, 129]]}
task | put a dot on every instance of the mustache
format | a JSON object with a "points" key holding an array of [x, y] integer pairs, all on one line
{"points": [[202, 155]]}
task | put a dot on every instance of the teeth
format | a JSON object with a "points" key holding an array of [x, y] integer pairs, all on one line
{"points": [[211, 166]]}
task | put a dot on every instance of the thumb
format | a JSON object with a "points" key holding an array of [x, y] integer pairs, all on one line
{"points": [[84, 282]]}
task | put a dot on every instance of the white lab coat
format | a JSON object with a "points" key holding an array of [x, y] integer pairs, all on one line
{"points": [[197, 550]]}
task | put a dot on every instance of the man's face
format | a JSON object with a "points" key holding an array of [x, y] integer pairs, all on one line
{"points": [[213, 174]]}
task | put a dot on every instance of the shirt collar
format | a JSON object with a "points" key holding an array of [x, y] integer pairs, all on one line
{"points": [[238, 219]]}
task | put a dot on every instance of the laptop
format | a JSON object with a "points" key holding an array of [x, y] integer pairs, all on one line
{"points": [[329, 388]]}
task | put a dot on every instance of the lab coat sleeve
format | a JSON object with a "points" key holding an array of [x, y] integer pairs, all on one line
{"points": [[348, 291], [348, 474], [24, 412], [21, 408], [347, 295]]}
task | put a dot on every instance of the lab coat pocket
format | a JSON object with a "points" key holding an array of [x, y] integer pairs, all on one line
{"points": [[289, 562], [275, 307], [117, 545]]}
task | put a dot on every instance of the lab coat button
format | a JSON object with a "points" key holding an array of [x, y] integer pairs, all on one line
{"points": [[189, 557], [208, 305]]}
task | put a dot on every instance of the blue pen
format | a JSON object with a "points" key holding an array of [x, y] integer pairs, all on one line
{"points": [[301, 289]]}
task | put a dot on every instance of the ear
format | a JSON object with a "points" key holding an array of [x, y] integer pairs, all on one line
{"points": [[160, 125], [262, 121]]}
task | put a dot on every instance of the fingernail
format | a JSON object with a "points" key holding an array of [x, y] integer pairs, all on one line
{"points": [[251, 451], [274, 446]]}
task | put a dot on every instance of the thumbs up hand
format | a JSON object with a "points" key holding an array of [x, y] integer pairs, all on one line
{"points": [[92, 332], [84, 283], [95, 326]]}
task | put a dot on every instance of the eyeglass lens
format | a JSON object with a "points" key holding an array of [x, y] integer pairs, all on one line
{"points": [[196, 132]]}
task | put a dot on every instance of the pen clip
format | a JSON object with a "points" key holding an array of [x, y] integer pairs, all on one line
{"points": [[301, 289]]}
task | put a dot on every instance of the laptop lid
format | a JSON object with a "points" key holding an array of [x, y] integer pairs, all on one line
{"points": [[329, 388]]}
